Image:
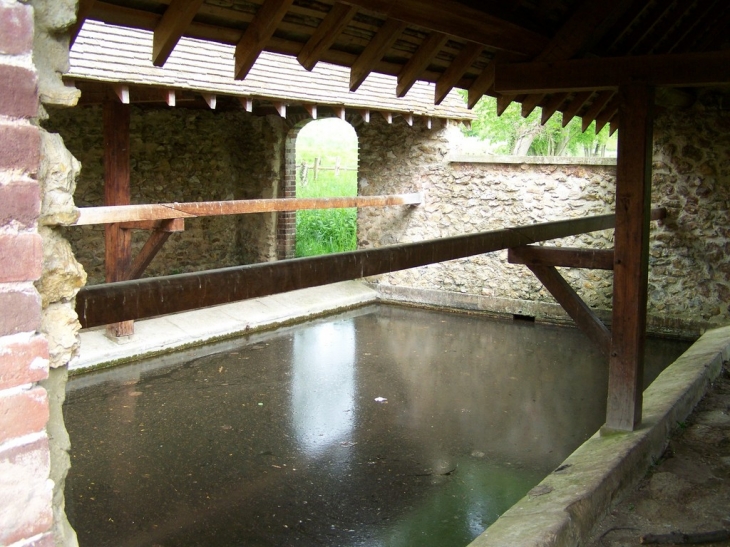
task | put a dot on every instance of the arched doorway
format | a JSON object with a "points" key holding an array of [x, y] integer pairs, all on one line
{"points": [[326, 166]]}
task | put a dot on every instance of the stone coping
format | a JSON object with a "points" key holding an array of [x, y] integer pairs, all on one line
{"points": [[532, 160], [175, 332], [563, 509]]}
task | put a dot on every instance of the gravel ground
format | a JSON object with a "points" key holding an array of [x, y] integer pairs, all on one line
{"points": [[687, 490]]}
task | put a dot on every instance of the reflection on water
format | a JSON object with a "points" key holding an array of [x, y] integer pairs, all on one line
{"points": [[323, 385], [278, 439]]}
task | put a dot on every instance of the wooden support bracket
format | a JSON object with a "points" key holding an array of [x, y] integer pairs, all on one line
{"points": [[567, 257]]}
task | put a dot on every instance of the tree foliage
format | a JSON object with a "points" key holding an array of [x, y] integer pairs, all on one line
{"points": [[513, 134]]}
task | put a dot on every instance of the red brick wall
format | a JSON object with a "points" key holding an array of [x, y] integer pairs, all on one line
{"points": [[286, 221], [25, 490]]}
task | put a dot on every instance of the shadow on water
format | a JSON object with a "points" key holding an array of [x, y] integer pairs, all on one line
{"points": [[379, 427]]}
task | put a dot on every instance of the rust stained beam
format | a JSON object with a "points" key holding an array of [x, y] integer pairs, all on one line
{"points": [[101, 304], [327, 32], [460, 21], [419, 61], [178, 15], [257, 34], [567, 257], [374, 52], [608, 73], [579, 311], [148, 212]]}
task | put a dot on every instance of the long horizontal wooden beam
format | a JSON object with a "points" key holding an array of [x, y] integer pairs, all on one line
{"points": [[134, 213], [126, 300], [593, 74], [566, 257]]}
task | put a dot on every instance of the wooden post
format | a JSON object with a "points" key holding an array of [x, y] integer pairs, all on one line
{"points": [[118, 241], [316, 169], [631, 257]]}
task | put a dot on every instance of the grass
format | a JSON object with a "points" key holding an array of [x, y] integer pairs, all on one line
{"points": [[327, 230]]}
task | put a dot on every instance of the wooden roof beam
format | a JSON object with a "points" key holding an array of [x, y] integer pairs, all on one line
{"points": [[689, 69], [607, 114], [85, 9], [458, 67], [555, 102], [374, 52], [327, 32], [258, 32], [456, 19], [419, 61], [595, 109], [575, 105], [178, 15]]}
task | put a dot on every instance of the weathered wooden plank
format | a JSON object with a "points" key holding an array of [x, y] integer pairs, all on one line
{"points": [[134, 213], [566, 257], [631, 257], [257, 34], [419, 61], [605, 73], [327, 32], [579, 311], [101, 304], [374, 52], [117, 241], [178, 15]]}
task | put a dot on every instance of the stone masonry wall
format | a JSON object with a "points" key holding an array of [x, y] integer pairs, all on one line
{"points": [[688, 262], [179, 155]]}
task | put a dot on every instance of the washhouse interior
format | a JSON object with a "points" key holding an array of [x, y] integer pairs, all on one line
{"points": [[382, 426]]}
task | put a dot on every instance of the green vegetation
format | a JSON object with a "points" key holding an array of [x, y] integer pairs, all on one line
{"points": [[328, 230], [510, 133]]}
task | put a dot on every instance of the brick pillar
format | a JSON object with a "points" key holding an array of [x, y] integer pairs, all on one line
{"points": [[25, 488], [286, 221]]}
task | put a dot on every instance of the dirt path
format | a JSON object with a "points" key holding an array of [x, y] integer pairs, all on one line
{"points": [[688, 490]]}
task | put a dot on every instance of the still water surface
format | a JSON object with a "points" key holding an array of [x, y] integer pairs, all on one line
{"points": [[379, 427]]}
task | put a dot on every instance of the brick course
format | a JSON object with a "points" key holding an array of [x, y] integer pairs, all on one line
{"points": [[25, 491], [21, 311], [21, 147], [18, 92], [23, 413], [21, 257], [22, 361], [16, 29], [20, 202]]}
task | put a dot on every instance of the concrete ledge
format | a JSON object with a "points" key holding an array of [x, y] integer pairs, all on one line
{"points": [[183, 330], [562, 510]]}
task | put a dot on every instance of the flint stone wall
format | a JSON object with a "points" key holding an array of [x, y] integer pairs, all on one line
{"points": [[181, 155], [689, 252]]}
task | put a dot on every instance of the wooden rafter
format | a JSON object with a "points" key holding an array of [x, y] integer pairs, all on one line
{"points": [[685, 34], [552, 106], [579, 99], [596, 107], [456, 70], [419, 61], [456, 19], [689, 69], [607, 113], [85, 9], [374, 51], [258, 33], [327, 32], [648, 43], [178, 15]]}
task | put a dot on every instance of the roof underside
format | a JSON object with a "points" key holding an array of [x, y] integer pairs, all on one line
{"points": [[449, 43]]}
